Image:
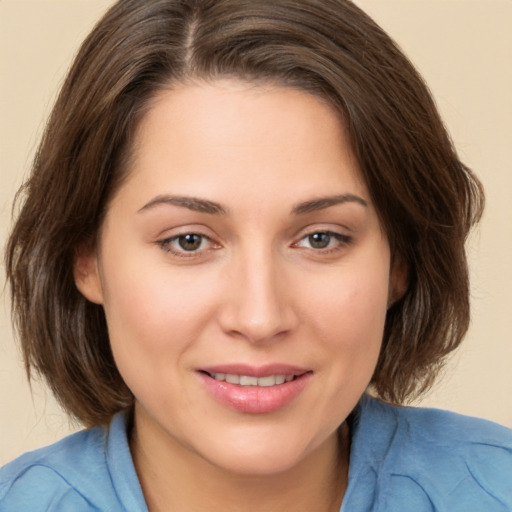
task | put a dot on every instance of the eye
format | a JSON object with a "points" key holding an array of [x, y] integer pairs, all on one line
{"points": [[186, 244], [319, 240], [324, 240], [190, 241]]}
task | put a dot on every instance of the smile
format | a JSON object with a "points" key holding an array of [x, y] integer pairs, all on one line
{"points": [[255, 390], [249, 380]]}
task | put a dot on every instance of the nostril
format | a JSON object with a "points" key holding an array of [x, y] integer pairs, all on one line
{"points": [[257, 307]]}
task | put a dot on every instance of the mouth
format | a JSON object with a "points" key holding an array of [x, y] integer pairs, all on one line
{"points": [[255, 390], [251, 380], [268, 375]]}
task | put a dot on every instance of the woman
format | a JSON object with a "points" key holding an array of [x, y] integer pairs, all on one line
{"points": [[244, 218]]}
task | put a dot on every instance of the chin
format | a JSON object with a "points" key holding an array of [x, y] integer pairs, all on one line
{"points": [[256, 465], [254, 455]]}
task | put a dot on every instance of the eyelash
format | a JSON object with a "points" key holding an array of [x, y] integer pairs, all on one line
{"points": [[167, 244], [342, 241]]}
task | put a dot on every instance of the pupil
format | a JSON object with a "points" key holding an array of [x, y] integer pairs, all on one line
{"points": [[319, 240], [189, 242]]}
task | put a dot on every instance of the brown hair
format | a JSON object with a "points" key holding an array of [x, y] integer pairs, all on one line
{"points": [[426, 198]]}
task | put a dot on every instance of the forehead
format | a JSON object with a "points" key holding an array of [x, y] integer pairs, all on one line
{"points": [[231, 137]]}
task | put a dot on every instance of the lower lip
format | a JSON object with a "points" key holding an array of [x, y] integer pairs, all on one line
{"points": [[255, 399]]}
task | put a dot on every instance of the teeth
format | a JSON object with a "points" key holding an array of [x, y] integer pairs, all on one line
{"points": [[271, 380], [247, 380], [232, 379], [280, 379]]}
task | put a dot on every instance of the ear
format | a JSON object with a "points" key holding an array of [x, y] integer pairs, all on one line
{"points": [[398, 280], [87, 275]]}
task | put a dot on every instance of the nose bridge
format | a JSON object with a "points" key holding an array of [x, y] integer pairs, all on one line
{"points": [[258, 308]]}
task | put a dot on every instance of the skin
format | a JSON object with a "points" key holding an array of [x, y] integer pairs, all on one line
{"points": [[255, 291]]}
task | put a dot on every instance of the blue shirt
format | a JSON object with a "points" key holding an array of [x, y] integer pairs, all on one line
{"points": [[402, 459]]}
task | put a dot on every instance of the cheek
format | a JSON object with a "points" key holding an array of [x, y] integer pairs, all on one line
{"points": [[348, 319], [153, 312], [353, 307]]}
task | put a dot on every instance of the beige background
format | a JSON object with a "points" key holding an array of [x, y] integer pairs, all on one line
{"points": [[464, 50]]}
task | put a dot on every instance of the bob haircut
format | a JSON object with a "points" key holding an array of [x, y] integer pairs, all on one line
{"points": [[426, 199]]}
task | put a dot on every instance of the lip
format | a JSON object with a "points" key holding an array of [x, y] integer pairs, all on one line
{"points": [[255, 399], [256, 371]]}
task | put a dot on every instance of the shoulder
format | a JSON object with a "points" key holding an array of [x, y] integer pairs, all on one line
{"points": [[71, 475], [437, 427], [441, 426], [450, 461]]}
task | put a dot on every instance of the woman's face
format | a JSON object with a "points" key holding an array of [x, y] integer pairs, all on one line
{"points": [[244, 276]]}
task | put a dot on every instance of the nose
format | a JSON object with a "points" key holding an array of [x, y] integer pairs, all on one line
{"points": [[258, 306]]}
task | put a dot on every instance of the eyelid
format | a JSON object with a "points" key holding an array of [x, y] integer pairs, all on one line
{"points": [[339, 236], [343, 240], [166, 244], [320, 227]]}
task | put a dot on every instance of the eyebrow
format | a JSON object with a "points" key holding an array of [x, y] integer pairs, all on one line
{"points": [[197, 204], [191, 203], [326, 202]]}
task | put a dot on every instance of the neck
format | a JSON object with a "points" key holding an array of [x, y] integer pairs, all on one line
{"points": [[173, 478]]}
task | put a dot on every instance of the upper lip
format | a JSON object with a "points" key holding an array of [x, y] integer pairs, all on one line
{"points": [[256, 371]]}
